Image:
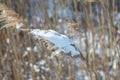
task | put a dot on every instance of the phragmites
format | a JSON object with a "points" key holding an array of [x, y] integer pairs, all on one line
{"points": [[3, 6], [73, 26], [61, 43], [9, 18]]}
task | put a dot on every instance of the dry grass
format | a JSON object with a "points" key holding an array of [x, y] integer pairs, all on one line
{"points": [[18, 58]]}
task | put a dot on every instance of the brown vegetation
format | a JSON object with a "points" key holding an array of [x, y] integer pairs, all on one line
{"points": [[18, 58]]}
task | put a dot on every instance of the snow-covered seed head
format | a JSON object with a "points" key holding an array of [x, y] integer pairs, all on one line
{"points": [[61, 42]]}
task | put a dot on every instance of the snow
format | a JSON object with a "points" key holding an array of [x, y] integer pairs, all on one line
{"points": [[81, 73], [28, 48], [62, 42], [38, 78], [116, 18], [36, 68], [35, 49], [19, 25], [42, 62], [8, 41], [102, 74], [115, 64]]}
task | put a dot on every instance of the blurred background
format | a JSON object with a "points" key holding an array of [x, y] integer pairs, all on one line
{"points": [[93, 26]]}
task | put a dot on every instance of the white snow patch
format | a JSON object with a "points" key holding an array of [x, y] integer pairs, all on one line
{"points": [[19, 25], [116, 18], [61, 42], [102, 74], [115, 64], [29, 48], [42, 62], [110, 52], [38, 78], [8, 40], [47, 69], [36, 68], [42, 67], [35, 49]]}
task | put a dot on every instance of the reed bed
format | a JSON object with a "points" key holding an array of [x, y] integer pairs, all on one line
{"points": [[24, 58]]}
